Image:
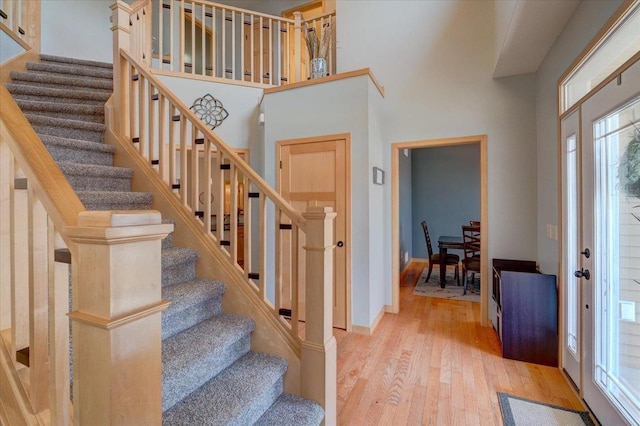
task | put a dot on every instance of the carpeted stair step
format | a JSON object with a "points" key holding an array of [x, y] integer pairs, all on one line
{"points": [[85, 177], [81, 112], [178, 265], [238, 396], [26, 91], [109, 200], [74, 61], [292, 410], [62, 80], [168, 241], [65, 128], [71, 69], [195, 356], [191, 302], [77, 151]]}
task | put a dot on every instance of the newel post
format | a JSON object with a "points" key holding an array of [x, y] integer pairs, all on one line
{"points": [[117, 330], [120, 15], [297, 45], [318, 359]]}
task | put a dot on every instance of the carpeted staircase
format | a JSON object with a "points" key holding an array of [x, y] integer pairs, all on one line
{"points": [[210, 374]]}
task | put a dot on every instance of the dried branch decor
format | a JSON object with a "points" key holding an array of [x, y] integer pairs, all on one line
{"points": [[318, 46]]}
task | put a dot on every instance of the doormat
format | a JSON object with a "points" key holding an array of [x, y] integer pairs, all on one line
{"points": [[518, 411], [451, 291]]}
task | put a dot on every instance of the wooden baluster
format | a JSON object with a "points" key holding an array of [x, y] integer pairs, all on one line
{"points": [[318, 354], [277, 45], [162, 146], [271, 51], [172, 58], [31, 23], [148, 35], [233, 44], [203, 42], [20, 264], [184, 185], [193, 38], [261, 52], [223, 57], [248, 265], [295, 280], [6, 229], [213, 42], [252, 54], [161, 35], [233, 212], [279, 257], [195, 170], [297, 52], [172, 145], [220, 199], [38, 305], [287, 52], [59, 394], [152, 108], [262, 246], [15, 18], [133, 86], [242, 43], [126, 331], [142, 116], [206, 157], [182, 39]]}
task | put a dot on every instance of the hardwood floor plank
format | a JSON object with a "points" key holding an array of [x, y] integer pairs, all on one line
{"points": [[433, 364]]}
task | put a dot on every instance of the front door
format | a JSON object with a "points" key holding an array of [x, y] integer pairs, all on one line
{"points": [[316, 171], [610, 275]]}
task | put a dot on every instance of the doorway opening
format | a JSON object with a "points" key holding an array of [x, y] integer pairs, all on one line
{"points": [[397, 149]]}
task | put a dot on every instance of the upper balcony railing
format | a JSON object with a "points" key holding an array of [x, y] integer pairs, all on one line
{"points": [[221, 42]]}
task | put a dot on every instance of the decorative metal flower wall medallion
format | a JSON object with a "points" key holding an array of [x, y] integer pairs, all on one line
{"points": [[210, 110]]}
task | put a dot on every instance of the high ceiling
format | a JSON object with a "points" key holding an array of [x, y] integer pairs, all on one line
{"points": [[526, 30]]}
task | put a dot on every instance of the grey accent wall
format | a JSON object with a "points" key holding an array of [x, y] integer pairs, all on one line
{"points": [[9, 48], [405, 208], [445, 188], [585, 22]]}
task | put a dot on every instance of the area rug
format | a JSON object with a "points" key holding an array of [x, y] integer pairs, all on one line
{"points": [[518, 411], [451, 291]]}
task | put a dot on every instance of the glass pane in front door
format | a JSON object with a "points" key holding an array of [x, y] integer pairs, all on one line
{"points": [[617, 263]]}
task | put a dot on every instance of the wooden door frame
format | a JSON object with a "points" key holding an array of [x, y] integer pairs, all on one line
{"points": [[484, 216], [327, 138]]}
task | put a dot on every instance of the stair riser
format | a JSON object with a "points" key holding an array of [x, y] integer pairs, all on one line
{"points": [[70, 70], [260, 404], [77, 101], [61, 86], [93, 183], [97, 118], [199, 374], [115, 206], [181, 321], [61, 60], [70, 155], [168, 242], [64, 80], [178, 273], [69, 133]]}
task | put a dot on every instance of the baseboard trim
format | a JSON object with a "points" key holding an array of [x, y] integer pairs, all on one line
{"points": [[368, 331]]}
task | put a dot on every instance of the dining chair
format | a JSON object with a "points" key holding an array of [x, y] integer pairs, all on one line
{"points": [[474, 223], [451, 259], [471, 259]]}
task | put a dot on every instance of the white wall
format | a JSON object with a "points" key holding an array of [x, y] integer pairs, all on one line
{"points": [[9, 48], [77, 29], [586, 21], [435, 59]]}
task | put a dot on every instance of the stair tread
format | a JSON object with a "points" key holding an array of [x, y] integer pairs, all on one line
{"points": [[63, 80], [292, 410], [69, 108], [78, 144], [194, 356], [110, 196], [71, 69], [93, 170], [43, 120], [23, 88], [186, 294], [238, 395], [66, 60], [177, 255]]}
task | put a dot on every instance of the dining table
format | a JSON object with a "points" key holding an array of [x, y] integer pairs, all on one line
{"points": [[446, 242]]}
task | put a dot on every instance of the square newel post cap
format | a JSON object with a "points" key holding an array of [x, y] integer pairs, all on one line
{"points": [[319, 213], [118, 226]]}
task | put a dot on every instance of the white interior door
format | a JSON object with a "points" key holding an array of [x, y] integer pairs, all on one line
{"points": [[571, 215], [611, 230]]}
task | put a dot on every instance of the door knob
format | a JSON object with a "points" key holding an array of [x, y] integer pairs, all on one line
{"points": [[586, 253], [583, 273], [340, 244]]}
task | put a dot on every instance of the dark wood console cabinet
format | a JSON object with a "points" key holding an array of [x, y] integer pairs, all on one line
{"points": [[526, 312]]}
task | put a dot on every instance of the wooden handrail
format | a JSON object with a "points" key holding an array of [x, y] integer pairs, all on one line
{"points": [[256, 179], [139, 4], [43, 174]]}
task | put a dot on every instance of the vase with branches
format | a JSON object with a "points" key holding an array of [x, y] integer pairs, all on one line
{"points": [[318, 47]]}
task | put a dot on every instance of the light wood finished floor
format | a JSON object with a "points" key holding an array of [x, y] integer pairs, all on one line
{"points": [[432, 364]]}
